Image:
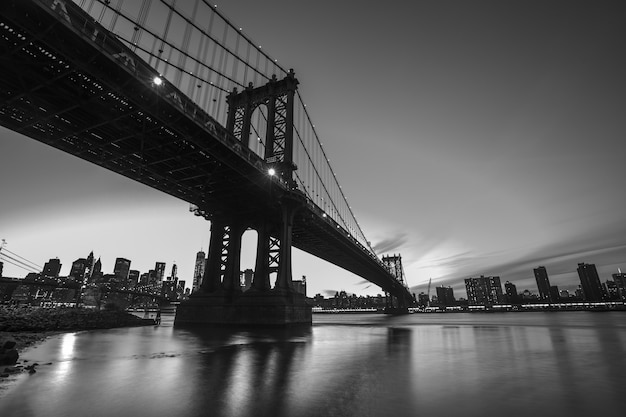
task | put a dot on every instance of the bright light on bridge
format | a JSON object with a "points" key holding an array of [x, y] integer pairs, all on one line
{"points": [[271, 171], [157, 81]]}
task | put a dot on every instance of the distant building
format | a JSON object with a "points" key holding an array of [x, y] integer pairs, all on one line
{"points": [[198, 271], [52, 268], [445, 296], [248, 276], [512, 296], [96, 274], [422, 299], [121, 269], [79, 270], [554, 294], [590, 282], [159, 270], [300, 286], [543, 283], [484, 290], [133, 278], [620, 283]]}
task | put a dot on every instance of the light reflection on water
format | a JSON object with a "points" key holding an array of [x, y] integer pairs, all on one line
{"points": [[556, 364]]}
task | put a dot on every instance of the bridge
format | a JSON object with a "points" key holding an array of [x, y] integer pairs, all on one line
{"points": [[194, 109]]}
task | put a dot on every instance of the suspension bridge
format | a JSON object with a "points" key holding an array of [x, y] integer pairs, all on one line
{"points": [[175, 96]]}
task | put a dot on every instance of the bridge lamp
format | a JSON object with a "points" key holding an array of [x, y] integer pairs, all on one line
{"points": [[157, 81], [271, 171]]}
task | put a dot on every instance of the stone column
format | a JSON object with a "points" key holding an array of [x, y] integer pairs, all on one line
{"points": [[212, 281]]}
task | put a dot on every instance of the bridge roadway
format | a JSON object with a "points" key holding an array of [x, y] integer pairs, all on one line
{"points": [[69, 83]]}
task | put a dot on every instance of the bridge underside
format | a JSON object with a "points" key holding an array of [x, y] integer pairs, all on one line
{"points": [[76, 90]]}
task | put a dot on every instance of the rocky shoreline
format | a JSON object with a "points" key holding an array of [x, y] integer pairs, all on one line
{"points": [[21, 327]]}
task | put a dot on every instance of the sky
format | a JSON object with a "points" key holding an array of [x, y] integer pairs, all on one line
{"points": [[470, 137]]}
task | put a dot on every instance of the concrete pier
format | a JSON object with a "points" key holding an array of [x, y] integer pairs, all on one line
{"points": [[252, 308]]}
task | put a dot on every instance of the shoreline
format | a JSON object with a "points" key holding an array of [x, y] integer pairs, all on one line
{"points": [[27, 327]]}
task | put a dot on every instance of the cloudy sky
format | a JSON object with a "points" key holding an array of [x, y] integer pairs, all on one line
{"points": [[471, 137]]}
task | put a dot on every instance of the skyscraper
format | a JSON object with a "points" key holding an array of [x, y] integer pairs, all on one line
{"points": [[79, 269], [133, 278], [590, 282], [52, 268], [159, 269], [543, 283], [484, 290], [198, 271], [121, 269], [445, 296]]}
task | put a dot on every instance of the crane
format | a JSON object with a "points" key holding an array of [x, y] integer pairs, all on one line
{"points": [[428, 292]]}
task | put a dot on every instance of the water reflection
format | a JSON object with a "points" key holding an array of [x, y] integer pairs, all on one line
{"points": [[545, 363]]}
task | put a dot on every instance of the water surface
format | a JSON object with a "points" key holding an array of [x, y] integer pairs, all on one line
{"points": [[517, 364]]}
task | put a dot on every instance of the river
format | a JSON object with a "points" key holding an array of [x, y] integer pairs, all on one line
{"points": [[453, 364]]}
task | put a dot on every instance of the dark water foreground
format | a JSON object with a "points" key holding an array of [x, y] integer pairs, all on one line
{"points": [[512, 364]]}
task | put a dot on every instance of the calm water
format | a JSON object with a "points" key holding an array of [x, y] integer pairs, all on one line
{"points": [[513, 364]]}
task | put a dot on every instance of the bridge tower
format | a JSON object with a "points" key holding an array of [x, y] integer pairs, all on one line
{"points": [[393, 263], [220, 299]]}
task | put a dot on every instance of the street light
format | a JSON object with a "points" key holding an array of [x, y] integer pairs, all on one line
{"points": [[271, 171], [157, 81]]}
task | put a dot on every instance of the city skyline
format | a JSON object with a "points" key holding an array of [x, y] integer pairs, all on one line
{"points": [[489, 140]]}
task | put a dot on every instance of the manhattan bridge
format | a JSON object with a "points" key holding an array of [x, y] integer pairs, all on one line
{"points": [[173, 95]]}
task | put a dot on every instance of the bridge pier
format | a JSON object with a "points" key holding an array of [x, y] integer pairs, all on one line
{"points": [[221, 302]]}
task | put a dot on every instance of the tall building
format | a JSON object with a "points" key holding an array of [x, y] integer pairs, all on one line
{"points": [[121, 269], [620, 283], [198, 271], [590, 282], [79, 270], [52, 268], [159, 270], [133, 278], [543, 283], [484, 290], [445, 296]]}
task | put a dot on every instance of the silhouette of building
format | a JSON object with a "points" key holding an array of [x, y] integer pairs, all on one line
{"points": [[590, 282], [121, 269], [96, 273], [620, 284], [198, 271], [555, 297], [52, 268], [445, 296], [543, 283], [79, 270], [422, 299], [133, 278], [159, 270], [484, 290], [300, 286], [512, 296], [248, 276]]}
